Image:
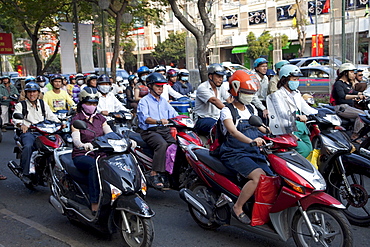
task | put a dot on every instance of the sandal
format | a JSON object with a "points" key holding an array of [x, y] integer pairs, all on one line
{"points": [[156, 182], [243, 218], [2, 177]]}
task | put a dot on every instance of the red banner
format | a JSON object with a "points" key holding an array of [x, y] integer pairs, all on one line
{"points": [[320, 41], [6, 44], [313, 46]]}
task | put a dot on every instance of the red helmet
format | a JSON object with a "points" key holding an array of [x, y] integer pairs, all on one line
{"points": [[243, 81], [171, 73], [71, 77]]}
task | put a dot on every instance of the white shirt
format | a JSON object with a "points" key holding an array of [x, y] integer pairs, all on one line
{"points": [[168, 90], [110, 103], [203, 108], [244, 114]]}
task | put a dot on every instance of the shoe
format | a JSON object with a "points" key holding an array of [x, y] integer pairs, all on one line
{"points": [[3, 130], [2, 177], [243, 218], [156, 182]]}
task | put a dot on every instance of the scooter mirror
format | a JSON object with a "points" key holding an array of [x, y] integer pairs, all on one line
{"points": [[18, 116], [79, 124], [255, 121]]}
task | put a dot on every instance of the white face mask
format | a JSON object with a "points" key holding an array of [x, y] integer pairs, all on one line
{"points": [[120, 84], [143, 78], [245, 99], [80, 82], [104, 89], [42, 84]]}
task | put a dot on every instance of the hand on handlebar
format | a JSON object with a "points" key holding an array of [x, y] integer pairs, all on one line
{"points": [[259, 142], [302, 118], [165, 121], [87, 146], [24, 128]]}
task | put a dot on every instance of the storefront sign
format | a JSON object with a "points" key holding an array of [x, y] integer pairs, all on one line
{"points": [[6, 44], [286, 12], [321, 8], [358, 4], [257, 17], [229, 21]]}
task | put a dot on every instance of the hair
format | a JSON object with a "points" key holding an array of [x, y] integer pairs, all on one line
{"points": [[344, 73], [79, 106], [283, 81]]}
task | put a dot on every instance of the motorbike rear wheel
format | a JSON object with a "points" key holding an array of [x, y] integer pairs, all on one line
{"points": [[330, 225], [357, 206], [140, 232], [202, 191]]}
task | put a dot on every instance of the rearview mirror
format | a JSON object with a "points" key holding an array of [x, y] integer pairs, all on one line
{"points": [[255, 121], [18, 116], [79, 124]]}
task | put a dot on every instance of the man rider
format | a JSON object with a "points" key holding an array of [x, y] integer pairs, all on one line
{"points": [[259, 101], [183, 86], [35, 111], [57, 98]]}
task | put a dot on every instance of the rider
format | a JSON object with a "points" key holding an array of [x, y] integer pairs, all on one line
{"points": [[91, 81], [140, 88], [131, 103], [172, 77], [345, 96], [97, 126], [7, 89], [236, 152], [183, 85], [57, 98], [288, 108], [259, 101], [107, 102], [41, 80], [153, 114], [160, 69], [209, 99], [77, 87], [34, 110], [119, 86], [272, 88]]}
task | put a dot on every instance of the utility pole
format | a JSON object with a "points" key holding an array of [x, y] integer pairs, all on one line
{"points": [[77, 37], [343, 31]]}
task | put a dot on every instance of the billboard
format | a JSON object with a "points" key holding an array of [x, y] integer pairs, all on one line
{"points": [[229, 21], [6, 44], [286, 12], [257, 17]]}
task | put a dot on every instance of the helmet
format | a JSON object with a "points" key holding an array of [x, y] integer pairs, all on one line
{"points": [[346, 67], [132, 77], [280, 64], [245, 81], [259, 61], [160, 68], [184, 72], [143, 69], [119, 79], [289, 70], [56, 76], [40, 78], [358, 70], [270, 72], [85, 75], [171, 73], [103, 79], [5, 77], [89, 94], [156, 78], [216, 68], [32, 86], [29, 79], [90, 77], [72, 77], [79, 77]]}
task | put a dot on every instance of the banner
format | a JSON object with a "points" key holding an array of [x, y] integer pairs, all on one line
{"points": [[6, 44], [257, 17], [229, 21], [320, 41], [313, 46], [286, 12], [87, 62], [67, 56]]}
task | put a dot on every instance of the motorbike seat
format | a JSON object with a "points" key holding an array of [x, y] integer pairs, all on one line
{"points": [[214, 163], [72, 170]]}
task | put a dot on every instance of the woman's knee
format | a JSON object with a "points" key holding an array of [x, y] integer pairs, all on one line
{"points": [[256, 174]]}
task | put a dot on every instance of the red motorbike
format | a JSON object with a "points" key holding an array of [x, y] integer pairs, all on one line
{"points": [[42, 158], [182, 130], [301, 209]]}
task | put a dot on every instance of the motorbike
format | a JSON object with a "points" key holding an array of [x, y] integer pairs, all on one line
{"points": [[182, 130], [301, 210], [347, 173], [47, 140], [14, 100], [65, 117], [120, 121], [122, 186]]}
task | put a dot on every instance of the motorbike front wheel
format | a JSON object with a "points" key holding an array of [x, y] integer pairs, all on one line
{"points": [[358, 204], [330, 226], [140, 231]]}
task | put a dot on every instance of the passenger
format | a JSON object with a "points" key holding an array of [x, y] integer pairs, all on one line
{"points": [[131, 102], [359, 84], [272, 88], [7, 89], [287, 105], [153, 113], [96, 126], [345, 96], [183, 85], [172, 76], [77, 87], [237, 153], [41, 80], [209, 99], [259, 101], [141, 89]]}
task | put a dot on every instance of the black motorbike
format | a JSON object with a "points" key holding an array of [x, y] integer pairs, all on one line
{"points": [[347, 173], [122, 187]]}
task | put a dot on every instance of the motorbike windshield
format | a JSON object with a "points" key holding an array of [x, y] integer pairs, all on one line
{"points": [[281, 118]]}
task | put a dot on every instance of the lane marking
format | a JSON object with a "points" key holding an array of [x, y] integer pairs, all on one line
{"points": [[59, 236]]}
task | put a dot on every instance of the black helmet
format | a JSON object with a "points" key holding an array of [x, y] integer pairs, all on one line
{"points": [[89, 94], [103, 79], [56, 76], [156, 78], [40, 78], [216, 68], [91, 77], [32, 86]]}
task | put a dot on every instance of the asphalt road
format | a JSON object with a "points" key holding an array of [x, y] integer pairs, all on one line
{"points": [[27, 219]]}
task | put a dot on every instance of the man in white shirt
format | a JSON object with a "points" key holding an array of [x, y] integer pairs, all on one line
{"points": [[209, 99], [259, 101]]}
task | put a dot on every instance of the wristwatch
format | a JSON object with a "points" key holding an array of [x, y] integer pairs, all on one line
{"points": [[159, 121]]}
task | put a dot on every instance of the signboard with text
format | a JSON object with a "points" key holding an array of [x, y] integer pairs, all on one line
{"points": [[6, 44], [257, 17], [286, 12], [229, 21]]}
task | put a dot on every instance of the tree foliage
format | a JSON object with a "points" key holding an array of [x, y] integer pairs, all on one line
{"points": [[258, 46], [172, 49]]}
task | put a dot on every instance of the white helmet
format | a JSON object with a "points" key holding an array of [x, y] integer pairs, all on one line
{"points": [[346, 67], [119, 79]]}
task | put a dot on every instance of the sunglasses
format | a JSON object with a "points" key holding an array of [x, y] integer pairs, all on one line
{"points": [[360, 75]]}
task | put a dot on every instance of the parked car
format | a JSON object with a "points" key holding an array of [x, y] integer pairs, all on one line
{"points": [[316, 79], [232, 66]]}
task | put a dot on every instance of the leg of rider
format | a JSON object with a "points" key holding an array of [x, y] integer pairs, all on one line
{"points": [[87, 164], [27, 140], [4, 114], [204, 125], [248, 190]]}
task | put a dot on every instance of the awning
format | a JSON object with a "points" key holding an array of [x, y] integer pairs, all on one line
{"points": [[240, 49]]}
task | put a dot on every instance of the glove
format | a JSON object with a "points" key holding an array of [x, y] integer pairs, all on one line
{"points": [[87, 146]]}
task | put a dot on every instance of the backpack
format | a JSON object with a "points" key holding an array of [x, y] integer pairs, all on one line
{"points": [[25, 111]]}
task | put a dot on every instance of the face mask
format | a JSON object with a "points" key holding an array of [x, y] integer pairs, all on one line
{"points": [[89, 109], [42, 84], [80, 82], [184, 78], [293, 85], [104, 89], [120, 84], [245, 99], [143, 78]]}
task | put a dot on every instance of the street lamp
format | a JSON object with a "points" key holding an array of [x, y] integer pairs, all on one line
{"points": [[104, 4]]}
